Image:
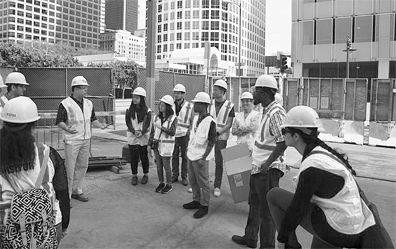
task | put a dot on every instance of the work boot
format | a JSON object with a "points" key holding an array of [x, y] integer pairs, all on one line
{"points": [[192, 205], [241, 240], [144, 179], [184, 182], [175, 179], [134, 180], [80, 197], [202, 211]]}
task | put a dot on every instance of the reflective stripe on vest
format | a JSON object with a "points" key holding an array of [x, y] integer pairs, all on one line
{"points": [[166, 142], [78, 119], [183, 119], [221, 119]]}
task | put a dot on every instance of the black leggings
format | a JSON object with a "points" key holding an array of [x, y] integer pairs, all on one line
{"points": [[314, 222], [139, 152]]}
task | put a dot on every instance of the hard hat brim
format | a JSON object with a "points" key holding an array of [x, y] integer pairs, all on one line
{"points": [[17, 83], [19, 122]]}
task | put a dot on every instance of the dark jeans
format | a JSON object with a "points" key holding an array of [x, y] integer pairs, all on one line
{"points": [[219, 145], [259, 218], [180, 146], [139, 152], [314, 222]]}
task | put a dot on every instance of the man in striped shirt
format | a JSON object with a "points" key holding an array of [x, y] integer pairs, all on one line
{"points": [[267, 166]]}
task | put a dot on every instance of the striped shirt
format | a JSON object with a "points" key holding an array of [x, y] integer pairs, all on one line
{"points": [[275, 123]]}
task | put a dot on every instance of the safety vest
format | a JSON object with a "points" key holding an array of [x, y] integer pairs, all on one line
{"points": [[78, 120], [222, 117], [253, 116], [143, 140], [345, 212], [3, 101], [264, 142], [199, 139], [166, 142], [183, 119]]}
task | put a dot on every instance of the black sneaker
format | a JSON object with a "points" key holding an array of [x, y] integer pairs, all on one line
{"points": [[160, 187], [202, 211], [175, 179], [144, 179], [192, 205], [167, 189]]}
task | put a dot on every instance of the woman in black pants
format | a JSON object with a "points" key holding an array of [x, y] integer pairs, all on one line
{"points": [[326, 202], [138, 120]]}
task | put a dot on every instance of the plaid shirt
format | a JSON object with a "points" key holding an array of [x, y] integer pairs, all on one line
{"points": [[275, 123]]}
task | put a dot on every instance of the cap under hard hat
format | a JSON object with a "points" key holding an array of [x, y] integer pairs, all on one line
{"points": [[247, 95], [201, 97], [167, 99], [301, 117], [139, 91], [266, 81], [221, 83], [179, 88], [20, 110], [16, 78], [79, 81]]}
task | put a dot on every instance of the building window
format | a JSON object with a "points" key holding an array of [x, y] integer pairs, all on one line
{"points": [[159, 18], [195, 24], [178, 46], [179, 36], [214, 25], [324, 31], [172, 26], [165, 37], [187, 25], [159, 39], [179, 25], [159, 49], [171, 47], [172, 6], [171, 37], [165, 48], [363, 28], [205, 3], [215, 3], [187, 36], [179, 15], [195, 36], [205, 36], [196, 14], [214, 14], [308, 32], [205, 25], [172, 16], [165, 27], [214, 36], [186, 45], [205, 14], [343, 27], [180, 4]]}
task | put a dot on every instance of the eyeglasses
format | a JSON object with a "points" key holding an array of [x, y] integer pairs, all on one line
{"points": [[285, 130]]}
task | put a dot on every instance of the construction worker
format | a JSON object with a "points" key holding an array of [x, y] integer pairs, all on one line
{"points": [[162, 142], [16, 86], [184, 113], [223, 112], [246, 122], [138, 121], [75, 117], [200, 151], [267, 165]]}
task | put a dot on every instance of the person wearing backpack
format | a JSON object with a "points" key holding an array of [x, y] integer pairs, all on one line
{"points": [[28, 210], [327, 202]]}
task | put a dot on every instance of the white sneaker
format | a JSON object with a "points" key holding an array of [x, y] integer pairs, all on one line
{"points": [[190, 190], [216, 192]]}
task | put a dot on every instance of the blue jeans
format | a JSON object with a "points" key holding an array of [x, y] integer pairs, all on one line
{"points": [[219, 145], [199, 180], [180, 147], [163, 163], [259, 219]]}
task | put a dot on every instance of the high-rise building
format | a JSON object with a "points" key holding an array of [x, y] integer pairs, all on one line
{"points": [[122, 15], [73, 22], [185, 24], [124, 44], [319, 37]]}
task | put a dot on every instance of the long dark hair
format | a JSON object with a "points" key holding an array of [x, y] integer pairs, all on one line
{"points": [[168, 112], [140, 110], [17, 147], [313, 140]]}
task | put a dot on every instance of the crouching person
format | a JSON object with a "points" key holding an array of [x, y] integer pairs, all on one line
{"points": [[200, 150]]}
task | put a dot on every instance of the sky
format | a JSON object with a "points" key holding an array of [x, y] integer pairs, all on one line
{"points": [[278, 27]]}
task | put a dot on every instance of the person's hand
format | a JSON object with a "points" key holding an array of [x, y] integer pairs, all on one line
{"points": [[201, 162], [281, 245], [138, 134], [264, 168], [71, 130], [103, 126], [64, 233]]}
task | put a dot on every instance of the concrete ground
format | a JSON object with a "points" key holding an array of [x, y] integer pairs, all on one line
{"points": [[120, 215]]}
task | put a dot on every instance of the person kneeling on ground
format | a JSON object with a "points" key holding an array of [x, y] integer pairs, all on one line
{"points": [[326, 202], [199, 152]]}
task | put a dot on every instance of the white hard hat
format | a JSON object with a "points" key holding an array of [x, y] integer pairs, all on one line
{"points": [[202, 97], [279, 98], [179, 88], [247, 95], [302, 117], [16, 78], [2, 82], [167, 99], [79, 81], [20, 110], [139, 91], [221, 83], [266, 81]]}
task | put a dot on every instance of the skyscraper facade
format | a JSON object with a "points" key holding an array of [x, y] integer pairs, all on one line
{"points": [[73, 22], [185, 24], [122, 15]]}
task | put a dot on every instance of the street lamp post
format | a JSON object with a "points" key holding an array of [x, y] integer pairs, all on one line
{"points": [[348, 50]]}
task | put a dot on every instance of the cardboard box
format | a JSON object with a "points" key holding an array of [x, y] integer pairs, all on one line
{"points": [[238, 165]]}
